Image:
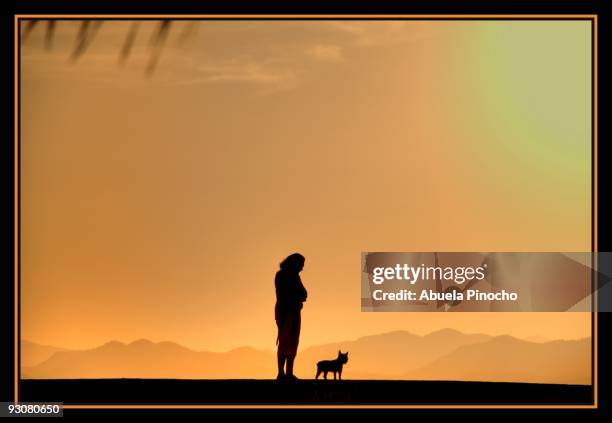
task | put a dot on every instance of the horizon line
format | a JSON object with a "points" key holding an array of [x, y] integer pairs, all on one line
{"points": [[136, 340]]}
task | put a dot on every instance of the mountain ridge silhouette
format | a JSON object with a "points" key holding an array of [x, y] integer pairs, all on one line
{"points": [[391, 355]]}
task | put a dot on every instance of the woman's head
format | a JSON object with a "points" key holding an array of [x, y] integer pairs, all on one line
{"points": [[293, 263]]}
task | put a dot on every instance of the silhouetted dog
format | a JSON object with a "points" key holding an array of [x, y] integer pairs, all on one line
{"points": [[335, 366]]}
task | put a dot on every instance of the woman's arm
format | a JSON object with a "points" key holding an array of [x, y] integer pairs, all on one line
{"points": [[302, 293]]}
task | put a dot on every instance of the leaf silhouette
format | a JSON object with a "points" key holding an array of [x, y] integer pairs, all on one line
{"points": [[157, 43], [29, 26], [51, 25], [87, 32], [129, 42]]}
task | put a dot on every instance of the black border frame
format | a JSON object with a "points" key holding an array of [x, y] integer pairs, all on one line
{"points": [[386, 7]]}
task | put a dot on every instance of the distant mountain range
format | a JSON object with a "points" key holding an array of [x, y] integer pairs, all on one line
{"points": [[508, 359], [33, 354], [442, 355]]}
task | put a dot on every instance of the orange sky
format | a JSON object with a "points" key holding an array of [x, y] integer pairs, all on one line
{"points": [[160, 207]]}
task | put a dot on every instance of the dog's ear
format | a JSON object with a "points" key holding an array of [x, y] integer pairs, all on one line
{"points": [[339, 353]]}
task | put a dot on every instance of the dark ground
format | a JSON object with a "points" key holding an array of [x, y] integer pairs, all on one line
{"points": [[267, 392]]}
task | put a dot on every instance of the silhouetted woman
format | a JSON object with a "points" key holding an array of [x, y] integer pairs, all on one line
{"points": [[290, 294]]}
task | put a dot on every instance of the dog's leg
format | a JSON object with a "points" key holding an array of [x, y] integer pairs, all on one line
{"points": [[325, 374], [340, 374], [334, 375], [318, 372]]}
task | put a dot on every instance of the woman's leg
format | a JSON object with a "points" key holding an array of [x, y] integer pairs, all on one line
{"points": [[296, 323], [290, 360], [281, 352], [281, 364], [288, 338]]}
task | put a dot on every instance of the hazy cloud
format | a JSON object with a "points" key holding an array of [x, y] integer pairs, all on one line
{"points": [[274, 55], [326, 53]]}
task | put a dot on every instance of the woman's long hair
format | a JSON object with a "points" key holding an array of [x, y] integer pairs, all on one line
{"points": [[293, 263]]}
